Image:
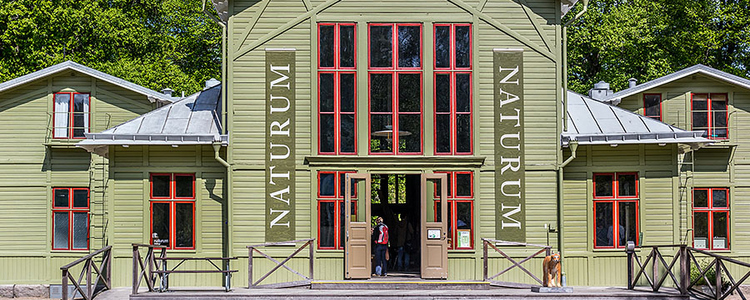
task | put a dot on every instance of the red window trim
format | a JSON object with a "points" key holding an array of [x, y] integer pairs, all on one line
{"points": [[337, 203], [615, 199], [394, 47], [709, 111], [337, 45], [173, 200], [709, 210], [452, 40], [451, 200], [70, 210], [70, 129], [660, 106], [453, 113], [338, 199], [452, 208], [453, 184], [172, 186]]}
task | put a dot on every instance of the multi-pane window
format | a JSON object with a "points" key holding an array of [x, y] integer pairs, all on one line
{"points": [[453, 86], [70, 219], [615, 209], [460, 203], [331, 191], [337, 89], [652, 106], [71, 115], [173, 210], [711, 218], [710, 114], [395, 88]]}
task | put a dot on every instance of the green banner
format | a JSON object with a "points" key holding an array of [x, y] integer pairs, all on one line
{"points": [[510, 204], [280, 165]]}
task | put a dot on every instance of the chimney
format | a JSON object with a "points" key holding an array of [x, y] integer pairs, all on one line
{"points": [[167, 91], [211, 83], [600, 91], [632, 82]]}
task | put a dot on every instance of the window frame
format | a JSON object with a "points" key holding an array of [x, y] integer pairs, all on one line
{"points": [[452, 201], [709, 210], [173, 200], [71, 114], [338, 200], [709, 114], [71, 210], [659, 117], [615, 200]]}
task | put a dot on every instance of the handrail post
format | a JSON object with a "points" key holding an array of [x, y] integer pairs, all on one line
{"points": [[630, 250], [484, 260], [312, 258], [684, 270], [250, 267], [718, 293], [65, 284], [89, 289], [654, 268], [135, 269]]}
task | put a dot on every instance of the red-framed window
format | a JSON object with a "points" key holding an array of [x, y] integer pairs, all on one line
{"points": [[652, 106], [395, 88], [615, 210], [711, 218], [70, 219], [337, 92], [710, 114], [460, 203], [172, 210], [71, 115], [453, 89], [331, 191]]}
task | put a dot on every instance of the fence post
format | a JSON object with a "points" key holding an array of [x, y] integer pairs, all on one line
{"points": [[312, 257], [89, 289], [250, 267], [630, 250], [484, 259], [655, 268], [684, 270], [718, 290], [65, 284], [136, 258]]}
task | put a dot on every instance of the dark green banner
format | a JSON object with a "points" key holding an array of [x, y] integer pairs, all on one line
{"points": [[280, 165], [510, 204]]}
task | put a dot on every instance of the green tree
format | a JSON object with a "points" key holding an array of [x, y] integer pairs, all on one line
{"points": [[646, 39], [154, 43]]}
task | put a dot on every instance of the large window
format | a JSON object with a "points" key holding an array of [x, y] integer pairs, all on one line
{"points": [[331, 191], [70, 219], [652, 106], [615, 209], [173, 210], [395, 88], [337, 89], [711, 218], [453, 86], [460, 203], [71, 117], [710, 114]]}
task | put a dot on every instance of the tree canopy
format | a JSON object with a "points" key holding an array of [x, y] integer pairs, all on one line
{"points": [[154, 43], [646, 39]]}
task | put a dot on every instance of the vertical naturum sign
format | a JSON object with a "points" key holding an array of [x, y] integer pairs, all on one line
{"points": [[510, 204], [280, 165]]}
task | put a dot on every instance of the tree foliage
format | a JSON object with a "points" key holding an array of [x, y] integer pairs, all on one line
{"points": [[153, 43], [646, 39]]}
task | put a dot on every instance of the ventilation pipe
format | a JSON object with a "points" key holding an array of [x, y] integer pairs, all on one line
{"points": [[632, 82]]}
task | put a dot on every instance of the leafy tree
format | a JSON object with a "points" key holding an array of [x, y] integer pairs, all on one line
{"points": [[154, 43], [646, 39]]}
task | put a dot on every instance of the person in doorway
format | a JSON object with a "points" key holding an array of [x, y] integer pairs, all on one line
{"points": [[404, 232], [380, 237]]}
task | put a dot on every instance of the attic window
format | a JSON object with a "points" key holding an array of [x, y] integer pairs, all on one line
{"points": [[71, 117]]}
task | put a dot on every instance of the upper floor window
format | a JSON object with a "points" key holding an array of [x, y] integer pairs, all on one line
{"points": [[615, 209], [711, 218], [453, 86], [652, 106], [71, 115], [70, 219], [395, 88], [710, 114], [337, 89], [173, 210]]}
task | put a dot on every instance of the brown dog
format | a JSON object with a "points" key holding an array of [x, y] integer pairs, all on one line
{"points": [[551, 271]]}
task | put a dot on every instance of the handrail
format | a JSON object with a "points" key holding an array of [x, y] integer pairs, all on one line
{"points": [[144, 268], [254, 248], [103, 275], [516, 264]]}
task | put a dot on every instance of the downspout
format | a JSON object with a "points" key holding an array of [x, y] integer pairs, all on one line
{"points": [[228, 193], [573, 150]]}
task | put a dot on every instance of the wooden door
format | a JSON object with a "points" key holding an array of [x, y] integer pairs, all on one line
{"points": [[434, 226], [357, 251]]}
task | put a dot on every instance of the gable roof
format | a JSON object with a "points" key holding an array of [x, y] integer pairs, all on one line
{"points": [[696, 69], [193, 120], [591, 122], [70, 65]]}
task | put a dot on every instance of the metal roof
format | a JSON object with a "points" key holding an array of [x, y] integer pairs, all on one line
{"points": [[193, 120], [699, 68], [69, 65], [591, 122]]}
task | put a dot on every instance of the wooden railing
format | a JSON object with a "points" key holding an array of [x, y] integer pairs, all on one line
{"points": [[86, 286], [144, 267], [490, 243], [254, 248], [225, 272], [655, 265]]}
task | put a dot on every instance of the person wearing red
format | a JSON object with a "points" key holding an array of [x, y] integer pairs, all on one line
{"points": [[380, 237]]}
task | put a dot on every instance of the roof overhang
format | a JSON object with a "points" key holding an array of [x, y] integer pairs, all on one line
{"points": [[693, 138], [99, 142]]}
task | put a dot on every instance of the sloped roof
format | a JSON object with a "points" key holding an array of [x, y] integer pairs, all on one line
{"points": [[193, 120], [70, 65], [696, 69], [591, 122]]}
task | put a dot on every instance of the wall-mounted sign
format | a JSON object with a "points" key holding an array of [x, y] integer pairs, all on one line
{"points": [[510, 223], [280, 165], [433, 234]]}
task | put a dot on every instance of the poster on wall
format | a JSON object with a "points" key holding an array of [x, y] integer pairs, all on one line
{"points": [[280, 166], [510, 206]]}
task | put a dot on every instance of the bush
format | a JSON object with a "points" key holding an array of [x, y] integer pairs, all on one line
{"points": [[710, 274]]}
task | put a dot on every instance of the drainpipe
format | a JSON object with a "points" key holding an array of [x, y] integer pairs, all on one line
{"points": [[573, 149], [227, 191]]}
